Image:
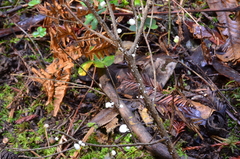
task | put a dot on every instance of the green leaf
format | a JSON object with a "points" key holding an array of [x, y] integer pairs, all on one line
{"points": [[102, 63], [89, 18], [147, 24], [115, 2], [133, 27], [94, 24], [108, 60], [41, 32], [92, 124], [34, 2], [137, 2], [85, 66], [125, 2], [98, 63], [153, 26]]}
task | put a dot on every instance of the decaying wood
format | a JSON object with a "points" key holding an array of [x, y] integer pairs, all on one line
{"points": [[159, 150]]}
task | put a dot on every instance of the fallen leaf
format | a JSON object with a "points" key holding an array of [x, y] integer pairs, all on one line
{"points": [[105, 116], [112, 125], [145, 116], [26, 118]]}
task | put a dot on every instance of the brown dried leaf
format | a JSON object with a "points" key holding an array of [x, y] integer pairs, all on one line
{"points": [[191, 113], [112, 125], [203, 109], [104, 116], [97, 46], [201, 32], [232, 45], [145, 116], [26, 118], [226, 71]]}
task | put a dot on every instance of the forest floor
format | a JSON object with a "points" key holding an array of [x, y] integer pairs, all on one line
{"points": [[187, 58]]}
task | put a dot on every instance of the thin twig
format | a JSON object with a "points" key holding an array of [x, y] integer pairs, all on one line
{"points": [[89, 29], [151, 57], [48, 155], [135, 72], [139, 30], [114, 24], [169, 21], [35, 45], [36, 149], [100, 20], [132, 64], [121, 145], [74, 84]]}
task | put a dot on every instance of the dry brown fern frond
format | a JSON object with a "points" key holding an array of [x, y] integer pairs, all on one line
{"points": [[68, 42], [53, 81], [191, 109], [94, 45], [190, 112], [56, 12], [64, 32], [129, 82]]}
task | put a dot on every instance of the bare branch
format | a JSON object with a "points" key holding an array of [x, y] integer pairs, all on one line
{"points": [[132, 64], [94, 32], [113, 19]]}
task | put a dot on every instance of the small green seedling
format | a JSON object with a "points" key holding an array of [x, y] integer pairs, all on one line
{"points": [[99, 63], [138, 2], [146, 25], [33, 3], [41, 32], [92, 124], [91, 19]]}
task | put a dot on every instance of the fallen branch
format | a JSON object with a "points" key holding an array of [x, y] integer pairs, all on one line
{"points": [[133, 67], [142, 134]]}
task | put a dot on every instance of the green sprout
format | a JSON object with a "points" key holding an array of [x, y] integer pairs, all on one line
{"points": [[91, 19], [41, 32], [34, 2], [92, 124], [99, 63], [146, 24]]}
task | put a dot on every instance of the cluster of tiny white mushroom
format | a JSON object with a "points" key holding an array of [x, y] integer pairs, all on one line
{"points": [[78, 145], [123, 128], [109, 104]]}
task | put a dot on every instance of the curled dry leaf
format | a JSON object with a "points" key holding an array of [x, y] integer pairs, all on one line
{"points": [[105, 116], [231, 29], [195, 111], [201, 32], [225, 70], [145, 116], [112, 125]]}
